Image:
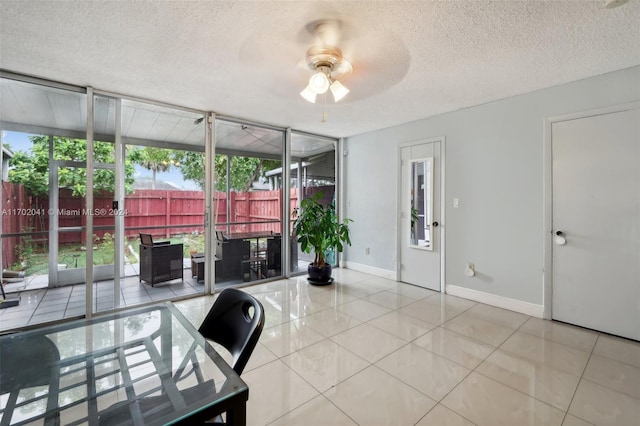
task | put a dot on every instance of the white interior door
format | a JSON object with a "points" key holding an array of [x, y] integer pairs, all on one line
{"points": [[420, 250], [596, 222]]}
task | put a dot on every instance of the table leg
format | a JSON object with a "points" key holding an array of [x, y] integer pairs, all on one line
{"points": [[237, 415]]}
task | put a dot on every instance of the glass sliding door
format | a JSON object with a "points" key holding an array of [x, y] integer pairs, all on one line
{"points": [[106, 252], [313, 170], [164, 201]]}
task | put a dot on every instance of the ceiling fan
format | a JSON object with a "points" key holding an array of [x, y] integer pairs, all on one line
{"points": [[325, 59]]}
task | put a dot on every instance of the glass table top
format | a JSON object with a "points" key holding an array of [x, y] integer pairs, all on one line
{"points": [[145, 366]]}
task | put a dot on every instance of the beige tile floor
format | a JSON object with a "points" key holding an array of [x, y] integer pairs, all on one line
{"points": [[369, 351]]}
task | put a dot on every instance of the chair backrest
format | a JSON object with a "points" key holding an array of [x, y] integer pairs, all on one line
{"points": [[235, 321], [274, 253], [26, 362], [146, 239], [26, 368]]}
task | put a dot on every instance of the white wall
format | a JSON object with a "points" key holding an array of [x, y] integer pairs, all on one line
{"points": [[494, 165]]}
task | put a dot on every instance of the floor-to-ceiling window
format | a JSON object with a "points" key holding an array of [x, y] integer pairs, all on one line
{"points": [[313, 170], [163, 198], [75, 203], [73, 207], [44, 147], [247, 205], [25, 205]]}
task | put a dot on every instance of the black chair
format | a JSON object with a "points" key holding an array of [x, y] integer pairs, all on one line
{"points": [[160, 260], [25, 363], [232, 324], [235, 321]]}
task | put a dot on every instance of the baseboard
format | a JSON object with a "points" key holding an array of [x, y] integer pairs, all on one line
{"points": [[378, 272], [495, 300]]}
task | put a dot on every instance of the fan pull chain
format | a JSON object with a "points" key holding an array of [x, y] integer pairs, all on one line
{"points": [[324, 109]]}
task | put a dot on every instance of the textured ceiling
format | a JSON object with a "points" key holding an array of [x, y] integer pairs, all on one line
{"points": [[411, 59]]}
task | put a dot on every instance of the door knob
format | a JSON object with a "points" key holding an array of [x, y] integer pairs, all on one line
{"points": [[559, 238], [434, 224]]}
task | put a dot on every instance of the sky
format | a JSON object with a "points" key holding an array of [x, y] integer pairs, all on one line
{"points": [[18, 141]]}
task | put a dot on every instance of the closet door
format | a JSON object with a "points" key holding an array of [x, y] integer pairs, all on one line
{"points": [[596, 222]]}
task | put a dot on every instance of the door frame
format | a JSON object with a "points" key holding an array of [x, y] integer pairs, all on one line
{"points": [[547, 202], [441, 213], [74, 276]]}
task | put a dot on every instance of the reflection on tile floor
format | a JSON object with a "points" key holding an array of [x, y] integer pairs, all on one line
{"points": [[368, 351], [41, 305]]}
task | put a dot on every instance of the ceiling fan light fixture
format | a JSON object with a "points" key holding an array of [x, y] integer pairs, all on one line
{"points": [[338, 90], [319, 82], [327, 65], [309, 94]]}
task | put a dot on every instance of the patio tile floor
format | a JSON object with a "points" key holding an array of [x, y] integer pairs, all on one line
{"points": [[52, 304]]}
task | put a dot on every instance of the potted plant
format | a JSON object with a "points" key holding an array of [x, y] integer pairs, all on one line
{"points": [[317, 228]]}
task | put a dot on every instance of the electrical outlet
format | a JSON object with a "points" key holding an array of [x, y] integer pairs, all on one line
{"points": [[470, 270], [366, 250]]}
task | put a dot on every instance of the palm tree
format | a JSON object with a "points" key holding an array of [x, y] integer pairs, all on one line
{"points": [[156, 160]]}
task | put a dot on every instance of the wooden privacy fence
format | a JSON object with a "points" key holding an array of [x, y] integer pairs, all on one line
{"points": [[162, 213], [181, 211], [16, 204]]}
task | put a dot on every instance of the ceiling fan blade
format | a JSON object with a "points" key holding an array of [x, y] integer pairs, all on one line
{"points": [[302, 65], [327, 32], [342, 69]]}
